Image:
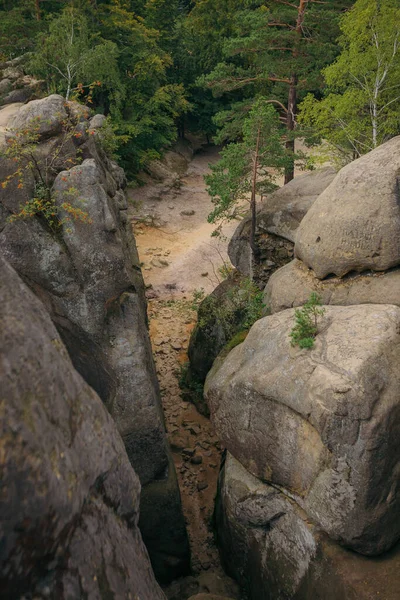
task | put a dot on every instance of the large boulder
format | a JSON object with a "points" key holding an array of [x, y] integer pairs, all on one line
{"points": [[355, 223], [282, 212], [324, 424], [88, 276], [278, 218], [69, 498], [48, 112], [274, 551], [293, 284]]}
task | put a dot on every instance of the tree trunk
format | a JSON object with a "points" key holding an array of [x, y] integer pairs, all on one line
{"points": [[290, 125], [37, 10], [253, 244], [292, 96]]}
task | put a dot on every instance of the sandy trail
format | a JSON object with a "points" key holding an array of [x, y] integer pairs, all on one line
{"points": [[178, 258], [180, 255]]}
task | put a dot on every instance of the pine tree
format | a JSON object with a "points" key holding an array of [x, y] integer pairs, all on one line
{"points": [[248, 168], [278, 50]]}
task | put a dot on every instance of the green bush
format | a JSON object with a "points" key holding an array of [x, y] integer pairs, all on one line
{"points": [[306, 326]]}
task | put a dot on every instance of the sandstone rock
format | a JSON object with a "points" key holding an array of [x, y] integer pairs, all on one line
{"points": [[50, 112], [97, 122], [5, 86], [212, 333], [355, 223], [282, 212], [70, 499], [279, 215], [208, 597], [324, 423], [292, 285], [88, 276], [271, 547]]}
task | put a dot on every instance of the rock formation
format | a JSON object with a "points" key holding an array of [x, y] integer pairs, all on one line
{"points": [[351, 234], [293, 284], [15, 84], [269, 544], [69, 500], [278, 218], [311, 483], [87, 274], [355, 223], [321, 424], [277, 222]]}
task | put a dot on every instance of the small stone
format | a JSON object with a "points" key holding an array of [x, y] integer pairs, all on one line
{"points": [[171, 207], [197, 459], [202, 485], [205, 274], [176, 345], [159, 263], [188, 451], [188, 213]]}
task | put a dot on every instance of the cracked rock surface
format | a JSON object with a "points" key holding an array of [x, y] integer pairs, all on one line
{"points": [[87, 274], [324, 423], [69, 498]]}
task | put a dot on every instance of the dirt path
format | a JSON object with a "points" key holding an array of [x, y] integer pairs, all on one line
{"points": [[180, 255], [179, 258]]}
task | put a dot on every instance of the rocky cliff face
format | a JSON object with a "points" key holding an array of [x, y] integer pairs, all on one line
{"points": [[69, 498], [312, 435], [278, 219], [15, 84], [87, 275]]}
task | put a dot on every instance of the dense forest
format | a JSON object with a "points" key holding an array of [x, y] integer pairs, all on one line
{"points": [[160, 68]]}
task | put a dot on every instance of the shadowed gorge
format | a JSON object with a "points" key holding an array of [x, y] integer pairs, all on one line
{"points": [[199, 300]]}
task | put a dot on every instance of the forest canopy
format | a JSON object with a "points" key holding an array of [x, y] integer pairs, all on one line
{"points": [[161, 68]]}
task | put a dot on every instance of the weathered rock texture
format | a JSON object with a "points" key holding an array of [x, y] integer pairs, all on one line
{"points": [[323, 424], [212, 332], [88, 277], [69, 498], [355, 223], [15, 84], [293, 284], [277, 221], [270, 545]]}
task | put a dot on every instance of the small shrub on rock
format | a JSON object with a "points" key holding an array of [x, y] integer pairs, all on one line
{"points": [[306, 326]]}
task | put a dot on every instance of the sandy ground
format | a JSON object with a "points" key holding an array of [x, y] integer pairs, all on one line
{"points": [[178, 257]]}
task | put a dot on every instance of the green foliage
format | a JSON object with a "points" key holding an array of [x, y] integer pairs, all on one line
{"points": [[21, 150], [306, 326], [251, 164], [274, 50], [361, 106], [107, 138], [68, 54], [198, 297], [242, 307], [17, 28]]}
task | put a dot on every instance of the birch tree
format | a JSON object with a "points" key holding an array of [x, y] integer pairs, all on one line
{"points": [[68, 55], [362, 104]]}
